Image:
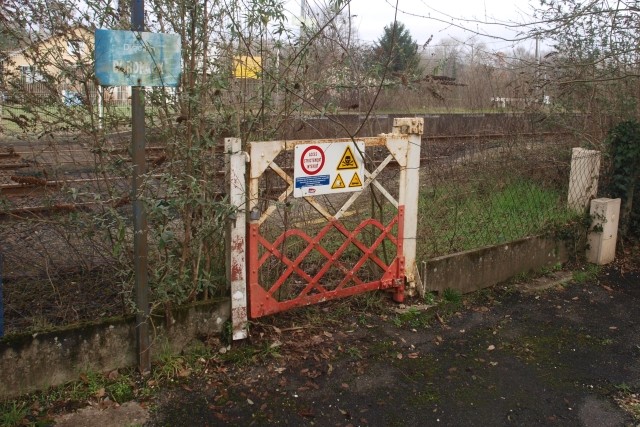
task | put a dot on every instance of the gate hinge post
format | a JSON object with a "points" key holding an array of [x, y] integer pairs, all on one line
{"points": [[236, 236], [408, 126]]}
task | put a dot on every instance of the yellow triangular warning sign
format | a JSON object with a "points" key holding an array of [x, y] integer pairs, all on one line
{"points": [[355, 181], [347, 161], [337, 183]]}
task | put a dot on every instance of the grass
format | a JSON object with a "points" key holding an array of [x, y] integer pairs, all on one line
{"points": [[117, 386], [456, 218], [586, 273], [34, 118], [12, 414]]}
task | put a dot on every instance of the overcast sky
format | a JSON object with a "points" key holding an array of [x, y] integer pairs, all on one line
{"points": [[458, 19]]}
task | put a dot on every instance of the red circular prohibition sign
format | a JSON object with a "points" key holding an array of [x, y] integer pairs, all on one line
{"points": [[312, 167]]}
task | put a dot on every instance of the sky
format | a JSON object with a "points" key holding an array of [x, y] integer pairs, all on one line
{"points": [[495, 20]]}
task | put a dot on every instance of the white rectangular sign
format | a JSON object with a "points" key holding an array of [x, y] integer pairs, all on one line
{"points": [[328, 168]]}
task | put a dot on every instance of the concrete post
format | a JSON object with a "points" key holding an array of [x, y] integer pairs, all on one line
{"points": [[414, 128], [237, 236], [583, 179], [605, 214]]}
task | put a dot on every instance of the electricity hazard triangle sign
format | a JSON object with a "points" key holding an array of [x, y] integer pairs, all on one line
{"points": [[338, 183], [348, 161], [355, 181]]}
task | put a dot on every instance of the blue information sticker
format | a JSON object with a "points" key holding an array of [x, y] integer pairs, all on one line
{"points": [[312, 181]]}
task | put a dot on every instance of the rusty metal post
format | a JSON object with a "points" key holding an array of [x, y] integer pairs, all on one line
{"points": [[237, 236], [140, 247]]}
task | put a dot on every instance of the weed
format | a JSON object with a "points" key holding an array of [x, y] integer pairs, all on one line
{"points": [[586, 274], [354, 352], [197, 351], [121, 391], [545, 271], [413, 318], [369, 301], [452, 296], [429, 298], [624, 388], [169, 367], [13, 415], [362, 319]]}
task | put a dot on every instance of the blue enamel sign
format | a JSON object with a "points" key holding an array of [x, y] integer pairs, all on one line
{"points": [[134, 58]]}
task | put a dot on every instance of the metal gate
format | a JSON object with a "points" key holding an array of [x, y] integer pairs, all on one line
{"points": [[306, 250]]}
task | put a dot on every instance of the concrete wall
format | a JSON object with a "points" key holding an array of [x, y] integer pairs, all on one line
{"points": [[476, 269], [342, 126], [31, 362]]}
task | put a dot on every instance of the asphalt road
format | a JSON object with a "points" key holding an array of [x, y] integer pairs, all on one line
{"points": [[555, 352]]}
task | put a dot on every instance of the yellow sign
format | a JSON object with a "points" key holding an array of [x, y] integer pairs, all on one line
{"points": [[348, 161], [247, 67], [355, 181], [338, 183]]}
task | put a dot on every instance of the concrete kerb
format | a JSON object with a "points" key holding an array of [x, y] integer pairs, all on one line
{"points": [[30, 362], [476, 269]]}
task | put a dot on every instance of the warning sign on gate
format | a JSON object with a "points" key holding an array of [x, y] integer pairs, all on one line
{"points": [[338, 183], [312, 160], [328, 168], [355, 181], [348, 160]]}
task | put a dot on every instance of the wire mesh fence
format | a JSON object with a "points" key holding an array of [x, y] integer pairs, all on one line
{"points": [[66, 242], [477, 194]]}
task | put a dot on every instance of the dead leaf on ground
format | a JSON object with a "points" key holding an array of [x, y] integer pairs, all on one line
{"points": [[306, 413]]}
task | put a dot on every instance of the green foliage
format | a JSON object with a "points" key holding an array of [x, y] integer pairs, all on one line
{"points": [[121, 390], [13, 414], [398, 49], [429, 298], [452, 296], [624, 147], [586, 273]]}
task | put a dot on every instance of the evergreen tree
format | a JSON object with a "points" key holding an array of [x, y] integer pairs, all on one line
{"points": [[398, 49]]}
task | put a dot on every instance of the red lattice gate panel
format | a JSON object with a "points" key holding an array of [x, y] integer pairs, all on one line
{"points": [[311, 249]]}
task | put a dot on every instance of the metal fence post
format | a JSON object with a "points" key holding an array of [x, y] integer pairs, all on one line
{"points": [[237, 236], [140, 247]]}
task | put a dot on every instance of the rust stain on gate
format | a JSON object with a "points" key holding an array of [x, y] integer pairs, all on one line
{"points": [[331, 277]]}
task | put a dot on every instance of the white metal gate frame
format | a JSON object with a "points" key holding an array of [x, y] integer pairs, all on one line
{"points": [[403, 145]]}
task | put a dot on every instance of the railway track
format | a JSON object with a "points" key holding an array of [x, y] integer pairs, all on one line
{"points": [[35, 188]]}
